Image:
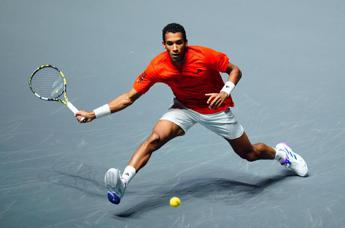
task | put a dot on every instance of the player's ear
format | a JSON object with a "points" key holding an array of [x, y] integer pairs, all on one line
{"points": [[164, 46]]}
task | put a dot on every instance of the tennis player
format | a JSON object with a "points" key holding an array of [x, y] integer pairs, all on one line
{"points": [[201, 96]]}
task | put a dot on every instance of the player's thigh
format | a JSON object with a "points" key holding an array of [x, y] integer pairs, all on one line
{"points": [[180, 117], [166, 130], [223, 124]]}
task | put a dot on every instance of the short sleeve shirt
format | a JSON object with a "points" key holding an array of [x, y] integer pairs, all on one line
{"points": [[198, 75]]}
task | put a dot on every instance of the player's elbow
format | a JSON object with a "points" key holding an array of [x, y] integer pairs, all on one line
{"points": [[132, 96], [127, 101], [234, 70]]}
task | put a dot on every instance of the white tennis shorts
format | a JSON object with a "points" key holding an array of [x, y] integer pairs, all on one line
{"points": [[222, 123]]}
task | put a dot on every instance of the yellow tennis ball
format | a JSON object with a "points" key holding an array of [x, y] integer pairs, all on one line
{"points": [[175, 201]]}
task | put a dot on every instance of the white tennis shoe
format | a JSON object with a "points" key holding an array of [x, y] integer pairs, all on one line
{"points": [[114, 185], [292, 161]]}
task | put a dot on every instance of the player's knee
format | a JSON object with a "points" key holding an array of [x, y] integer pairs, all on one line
{"points": [[247, 155], [256, 152], [154, 140], [252, 154]]}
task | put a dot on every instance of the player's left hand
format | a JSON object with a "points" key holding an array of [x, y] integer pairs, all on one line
{"points": [[215, 100]]}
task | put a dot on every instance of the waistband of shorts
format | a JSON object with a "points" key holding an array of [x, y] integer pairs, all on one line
{"points": [[180, 105]]}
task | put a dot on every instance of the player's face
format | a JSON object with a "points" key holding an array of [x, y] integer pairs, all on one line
{"points": [[175, 46]]}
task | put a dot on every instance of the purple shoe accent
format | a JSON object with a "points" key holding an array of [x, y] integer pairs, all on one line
{"points": [[286, 162]]}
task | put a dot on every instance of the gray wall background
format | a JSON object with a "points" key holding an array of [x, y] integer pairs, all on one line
{"points": [[51, 168]]}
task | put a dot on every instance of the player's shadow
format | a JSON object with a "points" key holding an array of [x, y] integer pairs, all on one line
{"points": [[233, 190], [224, 190], [77, 176]]}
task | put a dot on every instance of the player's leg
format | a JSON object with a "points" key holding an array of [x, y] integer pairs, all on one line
{"points": [[174, 123], [226, 125], [116, 183], [251, 152], [282, 153], [162, 132]]}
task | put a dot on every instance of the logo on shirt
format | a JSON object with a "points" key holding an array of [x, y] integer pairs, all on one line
{"points": [[141, 77], [198, 71], [194, 72]]}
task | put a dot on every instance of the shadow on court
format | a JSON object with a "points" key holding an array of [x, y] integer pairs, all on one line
{"points": [[80, 177], [227, 191]]}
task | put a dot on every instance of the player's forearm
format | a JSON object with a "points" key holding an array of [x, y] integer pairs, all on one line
{"points": [[120, 102], [117, 104], [235, 74]]}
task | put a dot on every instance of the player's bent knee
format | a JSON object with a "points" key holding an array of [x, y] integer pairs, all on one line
{"points": [[247, 155], [154, 138], [155, 141], [254, 154], [250, 155]]}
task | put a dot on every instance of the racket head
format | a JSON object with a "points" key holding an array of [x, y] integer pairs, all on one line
{"points": [[48, 83]]}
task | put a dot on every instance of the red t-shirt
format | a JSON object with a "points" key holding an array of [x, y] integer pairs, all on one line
{"points": [[198, 75]]}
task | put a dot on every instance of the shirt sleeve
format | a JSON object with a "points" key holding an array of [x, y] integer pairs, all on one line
{"points": [[145, 80], [217, 60]]}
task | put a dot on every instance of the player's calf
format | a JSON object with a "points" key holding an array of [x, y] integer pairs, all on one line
{"points": [[256, 152]]}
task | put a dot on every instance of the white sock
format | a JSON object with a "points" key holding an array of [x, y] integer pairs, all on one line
{"points": [[280, 155], [128, 174]]}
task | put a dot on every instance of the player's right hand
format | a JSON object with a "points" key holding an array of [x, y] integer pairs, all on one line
{"points": [[215, 100], [84, 116]]}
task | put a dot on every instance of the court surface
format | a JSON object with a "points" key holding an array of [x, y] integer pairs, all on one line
{"points": [[51, 168]]}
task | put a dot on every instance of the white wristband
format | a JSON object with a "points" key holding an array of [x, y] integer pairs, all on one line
{"points": [[104, 110], [228, 87]]}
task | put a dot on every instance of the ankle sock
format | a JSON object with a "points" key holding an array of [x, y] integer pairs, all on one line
{"points": [[128, 174], [280, 155]]}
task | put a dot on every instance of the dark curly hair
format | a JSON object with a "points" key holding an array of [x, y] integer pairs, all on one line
{"points": [[174, 28]]}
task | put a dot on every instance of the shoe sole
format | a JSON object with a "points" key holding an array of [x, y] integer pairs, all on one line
{"points": [[113, 197], [109, 178]]}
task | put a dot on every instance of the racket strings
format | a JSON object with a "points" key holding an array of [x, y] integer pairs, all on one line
{"points": [[48, 83]]}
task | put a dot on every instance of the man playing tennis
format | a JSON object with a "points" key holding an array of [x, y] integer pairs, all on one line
{"points": [[193, 74]]}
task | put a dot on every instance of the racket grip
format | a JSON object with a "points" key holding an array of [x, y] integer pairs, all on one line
{"points": [[72, 108], [75, 110]]}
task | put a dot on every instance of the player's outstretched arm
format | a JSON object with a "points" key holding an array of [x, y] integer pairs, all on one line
{"points": [[115, 105]]}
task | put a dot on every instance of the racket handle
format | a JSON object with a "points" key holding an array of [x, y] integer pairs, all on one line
{"points": [[72, 108]]}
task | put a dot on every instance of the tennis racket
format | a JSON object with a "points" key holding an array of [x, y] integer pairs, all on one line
{"points": [[48, 83]]}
